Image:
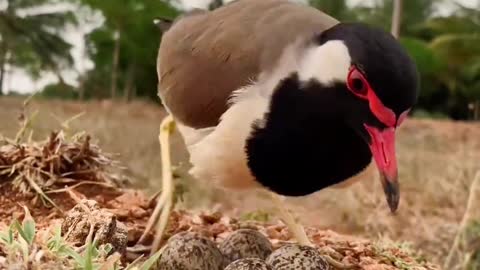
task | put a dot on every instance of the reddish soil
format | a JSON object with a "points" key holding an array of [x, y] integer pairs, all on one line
{"points": [[133, 208]]}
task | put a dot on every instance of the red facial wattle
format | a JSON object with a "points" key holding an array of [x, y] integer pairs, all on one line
{"points": [[382, 140]]}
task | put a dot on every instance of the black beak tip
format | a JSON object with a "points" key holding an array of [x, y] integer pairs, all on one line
{"points": [[393, 202], [392, 193]]}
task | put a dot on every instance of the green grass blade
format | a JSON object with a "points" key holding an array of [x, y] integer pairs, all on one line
{"points": [[28, 227], [151, 261]]}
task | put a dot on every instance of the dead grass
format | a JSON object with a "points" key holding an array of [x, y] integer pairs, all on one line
{"points": [[49, 165], [438, 161]]}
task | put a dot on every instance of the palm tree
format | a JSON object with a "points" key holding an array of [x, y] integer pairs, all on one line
{"points": [[450, 56], [397, 17], [31, 38], [119, 48]]}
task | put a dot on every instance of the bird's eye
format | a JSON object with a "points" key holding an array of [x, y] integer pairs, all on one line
{"points": [[357, 83]]}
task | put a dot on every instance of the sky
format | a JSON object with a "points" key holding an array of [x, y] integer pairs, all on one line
{"points": [[19, 81]]}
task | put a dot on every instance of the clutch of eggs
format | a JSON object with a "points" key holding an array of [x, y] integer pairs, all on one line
{"points": [[244, 249]]}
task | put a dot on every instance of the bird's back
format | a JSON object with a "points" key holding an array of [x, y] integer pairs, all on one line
{"points": [[206, 56]]}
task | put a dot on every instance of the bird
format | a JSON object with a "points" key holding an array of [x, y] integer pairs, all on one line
{"points": [[282, 97]]}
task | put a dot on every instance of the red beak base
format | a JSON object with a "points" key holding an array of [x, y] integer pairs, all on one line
{"points": [[382, 146]]}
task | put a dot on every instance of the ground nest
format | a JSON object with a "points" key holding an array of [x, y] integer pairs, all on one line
{"points": [[120, 226], [69, 191]]}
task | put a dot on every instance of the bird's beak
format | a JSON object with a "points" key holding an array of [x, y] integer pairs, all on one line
{"points": [[382, 145]]}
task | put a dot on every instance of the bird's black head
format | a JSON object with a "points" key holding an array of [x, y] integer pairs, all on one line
{"points": [[382, 83], [357, 76], [377, 61]]}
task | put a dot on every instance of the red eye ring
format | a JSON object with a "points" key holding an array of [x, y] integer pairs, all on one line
{"points": [[357, 84]]}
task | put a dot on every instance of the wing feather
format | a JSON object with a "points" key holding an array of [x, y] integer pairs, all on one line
{"points": [[206, 56]]}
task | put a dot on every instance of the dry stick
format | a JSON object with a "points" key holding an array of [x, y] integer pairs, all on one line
{"points": [[166, 128], [156, 213], [466, 217], [86, 182], [26, 123], [66, 123], [78, 201], [39, 190], [153, 198]]}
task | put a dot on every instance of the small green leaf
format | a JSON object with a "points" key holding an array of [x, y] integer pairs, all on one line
{"points": [[20, 230], [28, 226], [7, 237], [132, 265], [151, 261], [75, 255], [56, 242], [90, 253]]}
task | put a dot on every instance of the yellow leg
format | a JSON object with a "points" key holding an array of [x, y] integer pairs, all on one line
{"points": [[297, 230], [165, 201]]}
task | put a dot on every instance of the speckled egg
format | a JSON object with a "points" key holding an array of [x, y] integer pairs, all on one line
{"points": [[249, 264], [245, 243], [296, 257], [190, 251]]}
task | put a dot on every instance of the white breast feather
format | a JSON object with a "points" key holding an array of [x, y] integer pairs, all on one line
{"points": [[220, 156]]}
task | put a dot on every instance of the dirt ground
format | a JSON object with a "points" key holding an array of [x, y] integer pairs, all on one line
{"points": [[132, 208], [437, 160]]}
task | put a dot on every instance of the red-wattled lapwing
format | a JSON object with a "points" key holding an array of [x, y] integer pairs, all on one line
{"points": [[279, 95]]}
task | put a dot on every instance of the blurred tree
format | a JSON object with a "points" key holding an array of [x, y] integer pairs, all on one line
{"points": [[445, 48], [454, 40], [59, 91], [414, 13], [31, 38], [397, 17], [215, 4], [125, 47]]}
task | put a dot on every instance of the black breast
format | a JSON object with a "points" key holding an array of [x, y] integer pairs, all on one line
{"points": [[303, 145]]}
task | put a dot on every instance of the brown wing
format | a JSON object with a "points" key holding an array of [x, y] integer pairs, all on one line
{"points": [[205, 56]]}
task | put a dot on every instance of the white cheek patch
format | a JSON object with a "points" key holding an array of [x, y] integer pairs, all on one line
{"points": [[327, 63]]}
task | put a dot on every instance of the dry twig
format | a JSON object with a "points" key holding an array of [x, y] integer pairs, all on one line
{"points": [[475, 187]]}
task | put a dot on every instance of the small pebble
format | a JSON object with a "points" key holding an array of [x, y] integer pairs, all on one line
{"points": [[190, 251], [296, 257], [245, 243], [248, 264]]}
